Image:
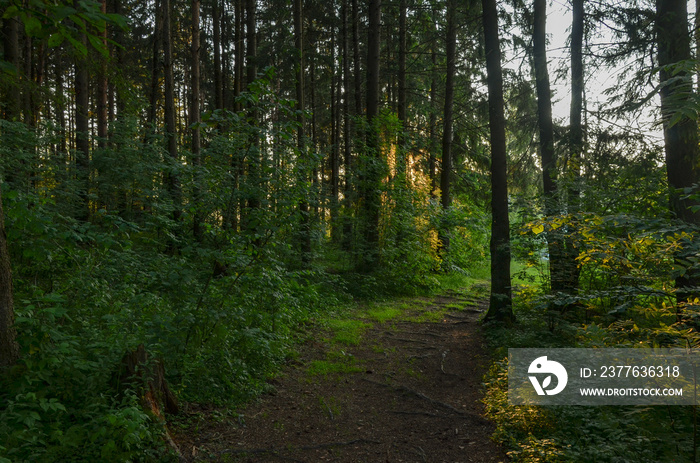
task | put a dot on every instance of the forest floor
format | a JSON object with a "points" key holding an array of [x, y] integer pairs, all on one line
{"points": [[391, 382]]}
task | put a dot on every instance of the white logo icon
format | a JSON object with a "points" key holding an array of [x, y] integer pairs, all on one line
{"points": [[550, 367]]}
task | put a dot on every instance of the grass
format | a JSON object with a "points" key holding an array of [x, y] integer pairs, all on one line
{"points": [[327, 367], [347, 331], [384, 314]]}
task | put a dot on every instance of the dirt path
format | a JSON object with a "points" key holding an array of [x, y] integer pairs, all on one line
{"points": [[407, 391]]}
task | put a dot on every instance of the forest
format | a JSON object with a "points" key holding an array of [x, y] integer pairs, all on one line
{"points": [[193, 189]]}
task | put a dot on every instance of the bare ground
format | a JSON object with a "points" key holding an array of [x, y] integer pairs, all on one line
{"points": [[410, 392]]}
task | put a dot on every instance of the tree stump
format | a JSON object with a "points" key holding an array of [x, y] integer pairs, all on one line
{"points": [[146, 377]]}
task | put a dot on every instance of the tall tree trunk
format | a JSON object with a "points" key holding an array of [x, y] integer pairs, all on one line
{"points": [[450, 47], [195, 119], [156, 64], [218, 79], [11, 94], [576, 144], [82, 134], [500, 304], [432, 130], [356, 57], [347, 145], [119, 53], [61, 146], [335, 152], [372, 180], [9, 349], [102, 89], [401, 102], [348, 130], [301, 142], [26, 75], [681, 137], [546, 144], [254, 159], [172, 180], [240, 54]]}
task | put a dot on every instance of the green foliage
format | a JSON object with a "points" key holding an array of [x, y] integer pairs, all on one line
{"points": [[627, 251]]}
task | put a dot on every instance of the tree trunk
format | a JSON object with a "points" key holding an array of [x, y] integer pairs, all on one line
{"points": [[195, 119], [500, 304], [432, 130], [172, 180], [347, 146], [254, 160], [681, 136], [546, 144], [450, 47], [372, 180], [334, 146], [240, 54], [301, 142], [348, 131], [11, 56], [401, 104], [156, 64], [218, 79], [356, 57], [102, 89], [576, 145], [9, 349], [82, 133]]}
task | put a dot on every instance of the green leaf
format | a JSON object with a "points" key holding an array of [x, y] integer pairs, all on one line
{"points": [[98, 45], [56, 39], [79, 47], [10, 12], [32, 26]]}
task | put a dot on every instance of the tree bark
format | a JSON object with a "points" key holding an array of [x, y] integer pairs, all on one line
{"points": [[195, 119], [82, 133], [240, 54], [401, 102], [432, 120], [548, 161], [576, 142], [450, 47], [254, 161], [9, 349], [301, 142], [172, 180], [102, 89], [11, 55], [218, 79], [156, 64], [347, 134], [372, 180], [500, 304], [680, 131], [356, 57]]}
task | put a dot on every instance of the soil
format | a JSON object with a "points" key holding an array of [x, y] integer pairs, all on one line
{"points": [[410, 392]]}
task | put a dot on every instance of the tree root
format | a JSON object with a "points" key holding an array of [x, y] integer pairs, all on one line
{"points": [[276, 451], [420, 395], [402, 412]]}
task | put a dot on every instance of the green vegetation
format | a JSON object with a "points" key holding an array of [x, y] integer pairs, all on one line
{"points": [[325, 368], [210, 183]]}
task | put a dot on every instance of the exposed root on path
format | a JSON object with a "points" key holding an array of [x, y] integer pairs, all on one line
{"points": [[420, 395]]}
